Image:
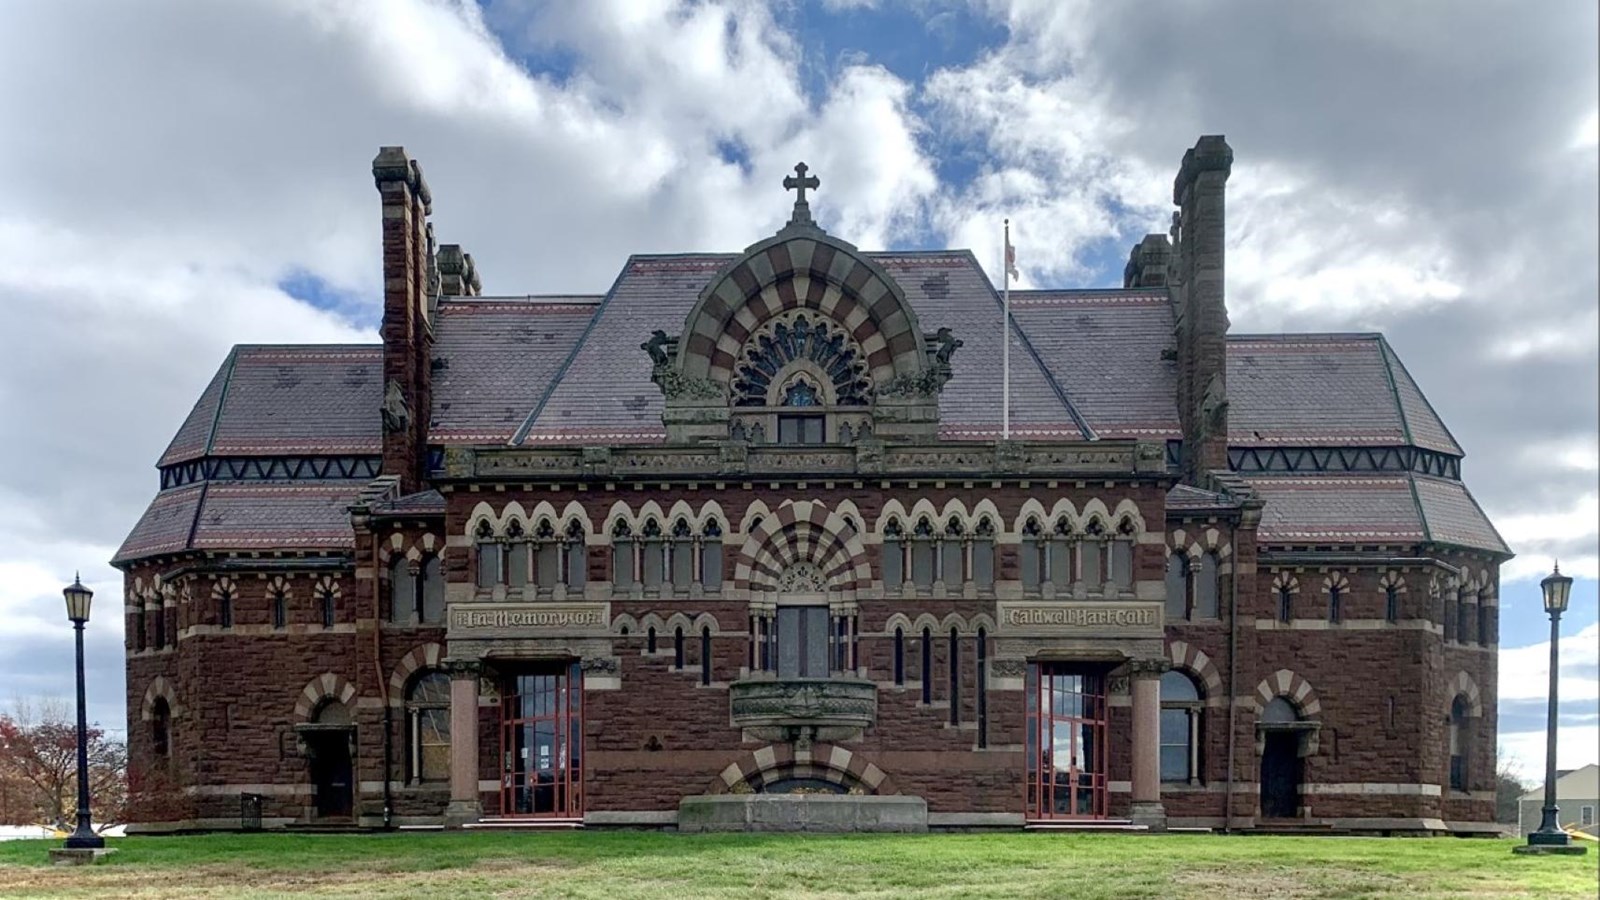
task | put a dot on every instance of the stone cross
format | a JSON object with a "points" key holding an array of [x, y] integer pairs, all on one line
{"points": [[799, 185]]}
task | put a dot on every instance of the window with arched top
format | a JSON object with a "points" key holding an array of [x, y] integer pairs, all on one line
{"points": [[1181, 708], [894, 572], [489, 568], [680, 556], [711, 555], [432, 589], [1285, 604], [575, 555], [279, 599], [1207, 587], [546, 556], [327, 603], [622, 575], [1058, 559], [225, 606], [161, 729], [1091, 555], [1177, 586], [515, 549], [952, 554], [427, 701], [1031, 556], [1460, 743], [652, 561], [983, 555], [1122, 556], [402, 591], [922, 554]]}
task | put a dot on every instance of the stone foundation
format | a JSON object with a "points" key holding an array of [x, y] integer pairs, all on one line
{"points": [[802, 812]]}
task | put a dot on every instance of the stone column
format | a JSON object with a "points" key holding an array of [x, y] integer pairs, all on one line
{"points": [[464, 806], [1145, 681]]}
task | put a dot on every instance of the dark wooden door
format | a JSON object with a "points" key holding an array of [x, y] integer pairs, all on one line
{"points": [[332, 773], [1280, 775]]}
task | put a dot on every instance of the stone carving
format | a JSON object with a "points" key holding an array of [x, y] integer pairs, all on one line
{"points": [[396, 415], [804, 701], [1008, 668], [657, 348], [677, 386], [802, 577], [948, 343], [1214, 407], [927, 383], [799, 182], [810, 339], [598, 665]]}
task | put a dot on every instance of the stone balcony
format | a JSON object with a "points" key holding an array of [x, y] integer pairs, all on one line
{"points": [[828, 709]]}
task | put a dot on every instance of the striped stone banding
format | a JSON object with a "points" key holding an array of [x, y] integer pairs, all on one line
{"points": [[326, 686], [425, 656], [1464, 686], [803, 273], [1284, 683], [1194, 661], [802, 531], [823, 762], [159, 688]]}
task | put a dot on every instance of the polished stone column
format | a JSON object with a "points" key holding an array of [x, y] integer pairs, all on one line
{"points": [[464, 806], [1145, 681]]}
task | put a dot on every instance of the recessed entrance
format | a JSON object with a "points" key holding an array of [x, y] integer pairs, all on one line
{"points": [[541, 742], [1066, 742], [331, 771]]}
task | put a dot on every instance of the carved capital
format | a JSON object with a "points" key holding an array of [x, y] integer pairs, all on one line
{"points": [[463, 669], [1147, 668]]}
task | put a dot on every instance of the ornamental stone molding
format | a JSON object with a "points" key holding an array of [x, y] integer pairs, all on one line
{"points": [[809, 703]]}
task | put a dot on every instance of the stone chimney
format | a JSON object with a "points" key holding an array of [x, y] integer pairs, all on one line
{"points": [[1201, 311], [406, 331], [1148, 262], [458, 276]]}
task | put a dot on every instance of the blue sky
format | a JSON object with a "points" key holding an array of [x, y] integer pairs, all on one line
{"points": [[1439, 188]]}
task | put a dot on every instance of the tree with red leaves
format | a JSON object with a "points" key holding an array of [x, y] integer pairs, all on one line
{"points": [[39, 768]]}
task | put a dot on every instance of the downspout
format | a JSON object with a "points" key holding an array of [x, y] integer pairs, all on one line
{"points": [[383, 691], [1233, 671]]}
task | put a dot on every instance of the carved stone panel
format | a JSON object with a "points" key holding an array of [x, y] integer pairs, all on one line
{"points": [[1112, 619]]}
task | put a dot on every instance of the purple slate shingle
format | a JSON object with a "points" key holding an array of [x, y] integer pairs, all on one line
{"points": [[1453, 517], [318, 399], [287, 515], [498, 357], [165, 525], [1104, 349], [1310, 389], [1427, 430], [1338, 509]]}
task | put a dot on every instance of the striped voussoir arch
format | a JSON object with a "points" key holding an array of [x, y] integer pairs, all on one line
{"points": [[815, 272], [326, 686], [425, 656], [802, 531], [1194, 661], [1464, 686], [1284, 683], [823, 762]]}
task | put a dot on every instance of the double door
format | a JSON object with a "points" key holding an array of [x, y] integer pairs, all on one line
{"points": [[541, 743], [1066, 743]]}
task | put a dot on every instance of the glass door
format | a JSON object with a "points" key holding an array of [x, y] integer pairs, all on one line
{"points": [[1066, 743], [541, 743]]}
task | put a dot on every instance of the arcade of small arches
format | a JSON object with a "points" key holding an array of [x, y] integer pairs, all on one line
{"points": [[1464, 607], [155, 606]]}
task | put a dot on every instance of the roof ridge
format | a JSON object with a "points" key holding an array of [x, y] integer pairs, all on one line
{"points": [[1416, 501], [561, 373], [1394, 391], [1281, 337], [222, 399], [1390, 354]]}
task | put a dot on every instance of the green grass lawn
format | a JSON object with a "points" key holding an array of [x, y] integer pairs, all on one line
{"points": [[746, 867]]}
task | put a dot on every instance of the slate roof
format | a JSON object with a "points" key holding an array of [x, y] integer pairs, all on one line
{"points": [[233, 515], [1406, 508], [281, 399]]}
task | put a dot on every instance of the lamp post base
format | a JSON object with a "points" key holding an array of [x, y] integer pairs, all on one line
{"points": [[79, 856], [1550, 849]]}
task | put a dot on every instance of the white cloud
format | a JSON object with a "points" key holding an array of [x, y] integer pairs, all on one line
{"points": [[1541, 536], [1524, 682]]}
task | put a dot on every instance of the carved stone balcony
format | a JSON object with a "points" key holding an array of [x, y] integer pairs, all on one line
{"points": [[830, 709]]}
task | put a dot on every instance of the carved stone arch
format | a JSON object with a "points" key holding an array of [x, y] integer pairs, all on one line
{"points": [[624, 621], [515, 512], [987, 507], [926, 620], [1392, 578], [1127, 510], [892, 509], [1031, 508], [1464, 686], [652, 620], [984, 621], [679, 620], [1298, 691], [422, 656], [898, 620], [159, 688], [1197, 664], [619, 510], [709, 510], [681, 509], [954, 507], [757, 510], [807, 271], [802, 531], [848, 769], [224, 587], [1095, 508], [705, 620], [924, 507], [955, 621], [575, 510], [1179, 542], [482, 512], [1064, 507], [326, 686], [1285, 580], [280, 585], [1335, 579]]}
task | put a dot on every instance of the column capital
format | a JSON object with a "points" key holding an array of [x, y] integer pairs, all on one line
{"points": [[1147, 668], [463, 668]]}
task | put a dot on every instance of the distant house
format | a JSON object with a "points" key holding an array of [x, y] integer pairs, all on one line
{"points": [[1577, 798]]}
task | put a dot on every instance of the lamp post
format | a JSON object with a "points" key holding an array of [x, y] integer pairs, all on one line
{"points": [[1549, 838], [83, 838]]}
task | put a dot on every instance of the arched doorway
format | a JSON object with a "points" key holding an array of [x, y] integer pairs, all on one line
{"points": [[329, 741], [1281, 770]]}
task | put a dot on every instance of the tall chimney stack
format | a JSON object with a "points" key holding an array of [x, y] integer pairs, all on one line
{"points": [[1201, 326], [407, 333]]}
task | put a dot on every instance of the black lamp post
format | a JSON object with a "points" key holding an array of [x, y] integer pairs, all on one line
{"points": [[83, 838], [1550, 838]]}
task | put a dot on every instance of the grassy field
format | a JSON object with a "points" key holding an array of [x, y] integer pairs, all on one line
{"points": [[746, 867]]}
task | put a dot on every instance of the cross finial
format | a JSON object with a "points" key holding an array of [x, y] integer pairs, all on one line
{"points": [[799, 181]]}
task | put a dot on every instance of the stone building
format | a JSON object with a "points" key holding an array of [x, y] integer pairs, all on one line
{"points": [[746, 524]]}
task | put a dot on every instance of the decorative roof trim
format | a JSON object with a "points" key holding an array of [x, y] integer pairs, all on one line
{"points": [[521, 433]]}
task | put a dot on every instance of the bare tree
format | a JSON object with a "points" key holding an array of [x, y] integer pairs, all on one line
{"points": [[39, 767], [1509, 786]]}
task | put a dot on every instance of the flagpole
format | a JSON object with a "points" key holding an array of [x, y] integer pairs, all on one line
{"points": [[1005, 338]]}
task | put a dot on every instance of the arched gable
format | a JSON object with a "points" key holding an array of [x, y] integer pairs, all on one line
{"points": [[802, 531]]}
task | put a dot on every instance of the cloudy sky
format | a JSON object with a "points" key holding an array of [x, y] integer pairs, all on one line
{"points": [[176, 177]]}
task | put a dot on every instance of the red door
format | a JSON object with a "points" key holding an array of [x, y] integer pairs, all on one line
{"points": [[1066, 743], [541, 743]]}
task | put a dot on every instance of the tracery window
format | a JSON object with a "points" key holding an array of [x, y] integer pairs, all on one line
{"points": [[428, 727], [983, 555], [893, 557], [576, 556], [952, 554], [1122, 556], [515, 550], [922, 554], [1033, 557], [546, 556], [1058, 560], [652, 559], [622, 554], [814, 339], [1180, 728], [680, 555], [489, 568], [711, 555], [1091, 555]]}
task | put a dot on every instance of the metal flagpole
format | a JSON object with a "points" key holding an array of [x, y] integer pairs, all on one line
{"points": [[1005, 339]]}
